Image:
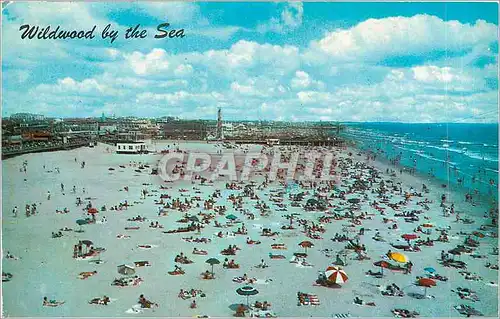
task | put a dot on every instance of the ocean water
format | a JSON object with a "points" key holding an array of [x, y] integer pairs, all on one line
{"points": [[450, 152]]}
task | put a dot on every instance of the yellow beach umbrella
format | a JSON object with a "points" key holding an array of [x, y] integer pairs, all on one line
{"points": [[399, 257]]}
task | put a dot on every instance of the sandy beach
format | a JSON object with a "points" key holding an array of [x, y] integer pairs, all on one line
{"points": [[43, 266]]}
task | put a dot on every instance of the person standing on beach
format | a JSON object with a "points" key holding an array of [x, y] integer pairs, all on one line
{"points": [[48, 195], [62, 187], [14, 211]]}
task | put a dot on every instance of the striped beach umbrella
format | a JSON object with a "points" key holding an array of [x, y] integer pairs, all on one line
{"points": [[247, 291], [336, 275]]}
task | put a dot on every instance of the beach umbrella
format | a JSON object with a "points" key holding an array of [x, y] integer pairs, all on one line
{"points": [[427, 225], [92, 210], [193, 218], [354, 200], [430, 269], [455, 252], [382, 264], [247, 291], [81, 222], [399, 257], [212, 262], [126, 270], [306, 244], [409, 236], [336, 275], [426, 282], [87, 242], [231, 217]]}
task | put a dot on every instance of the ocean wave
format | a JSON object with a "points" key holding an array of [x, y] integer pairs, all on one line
{"points": [[415, 142], [408, 149], [490, 145], [467, 143], [447, 141], [481, 157], [450, 149], [435, 159]]}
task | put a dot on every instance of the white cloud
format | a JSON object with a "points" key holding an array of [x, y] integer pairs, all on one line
{"points": [[376, 39], [303, 80], [183, 70], [143, 64], [432, 74], [289, 19]]}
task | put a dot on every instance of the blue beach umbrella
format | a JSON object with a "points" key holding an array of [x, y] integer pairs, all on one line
{"points": [[231, 217], [430, 269]]}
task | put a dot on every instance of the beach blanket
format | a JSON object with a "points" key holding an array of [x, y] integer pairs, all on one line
{"points": [[263, 314], [54, 304], [99, 301], [138, 309], [341, 315], [307, 299]]}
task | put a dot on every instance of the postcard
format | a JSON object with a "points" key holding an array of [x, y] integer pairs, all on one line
{"points": [[249, 159]]}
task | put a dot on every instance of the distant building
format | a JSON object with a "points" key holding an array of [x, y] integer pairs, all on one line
{"points": [[131, 148], [104, 128], [273, 141], [27, 117]]}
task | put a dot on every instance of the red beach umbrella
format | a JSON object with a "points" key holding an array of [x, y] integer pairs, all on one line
{"points": [[306, 244], [409, 236], [426, 282], [92, 210], [382, 264]]}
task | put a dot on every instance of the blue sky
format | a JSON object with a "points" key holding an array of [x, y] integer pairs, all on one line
{"points": [[408, 62]]}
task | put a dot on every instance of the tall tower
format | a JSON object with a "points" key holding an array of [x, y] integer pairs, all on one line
{"points": [[219, 133]]}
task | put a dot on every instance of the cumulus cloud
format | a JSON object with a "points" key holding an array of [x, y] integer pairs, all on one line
{"points": [[303, 80], [376, 39], [289, 19], [155, 61]]}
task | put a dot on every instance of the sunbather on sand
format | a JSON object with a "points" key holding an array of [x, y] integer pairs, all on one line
{"points": [[100, 301], [87, 274], [146, 303], [51, 303]]}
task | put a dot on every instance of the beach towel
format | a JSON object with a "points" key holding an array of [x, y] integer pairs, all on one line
{"points": [[341, 315], [138, 309]]}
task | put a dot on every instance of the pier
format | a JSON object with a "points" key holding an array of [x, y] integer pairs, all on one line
{"points": [[53, 148]]}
